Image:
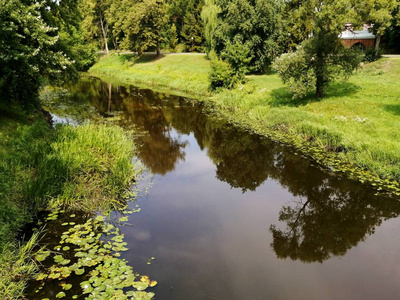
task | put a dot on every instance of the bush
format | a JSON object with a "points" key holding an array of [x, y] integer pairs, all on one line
{"points": [[222, 75], [294, 70], [370, 55]]}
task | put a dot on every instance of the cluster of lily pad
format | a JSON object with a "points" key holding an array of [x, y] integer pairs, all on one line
{"points": [[92, 250]]}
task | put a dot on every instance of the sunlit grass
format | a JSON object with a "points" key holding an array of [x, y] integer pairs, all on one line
{"points": [[185, 73]]}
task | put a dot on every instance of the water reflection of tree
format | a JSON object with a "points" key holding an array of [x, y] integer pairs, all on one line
{"points": [[330, 214], [158, 148], [240, 158]]}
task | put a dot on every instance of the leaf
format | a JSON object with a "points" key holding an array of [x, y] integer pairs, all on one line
{"points": [[123, 219], [67, 287], [60, 295], [41, 256], [80, 271], [140, 286], [58, 258], [41, 276], [99, 218], [153, 283]]}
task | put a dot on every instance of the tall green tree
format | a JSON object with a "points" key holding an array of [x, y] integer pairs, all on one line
{"points": [[380, 13], [209, 16], [29, 51], [142, 24], [256, 25], [322, 57], [95, 23], [185, 15], [192, 33]]}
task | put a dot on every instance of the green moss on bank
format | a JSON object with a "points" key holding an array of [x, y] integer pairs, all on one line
{"points": [[354, 129], [87, 167]]}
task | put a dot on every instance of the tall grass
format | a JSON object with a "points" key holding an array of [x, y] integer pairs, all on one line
{"points": [[16, 267], [87, 167], [95, 163]]}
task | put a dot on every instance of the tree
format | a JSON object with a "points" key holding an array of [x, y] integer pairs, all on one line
{"points": [[29, 51], [209, 15], [192, 32], [316, 63], [94, 23], [381, 14], [321, 57], [255, 25], [142, 24]]}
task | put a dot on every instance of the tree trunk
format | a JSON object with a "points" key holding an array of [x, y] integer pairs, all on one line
{"points": [[114, 40], [109, 96], [158, 48], [104, 33], [319, 93], [377, 44]]}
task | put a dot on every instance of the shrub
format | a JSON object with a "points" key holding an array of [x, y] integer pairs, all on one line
{"points": [[222, 75], [370, 55], [294, 70]]}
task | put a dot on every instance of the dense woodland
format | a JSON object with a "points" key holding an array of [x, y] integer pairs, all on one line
{"points": [[54, 40]]}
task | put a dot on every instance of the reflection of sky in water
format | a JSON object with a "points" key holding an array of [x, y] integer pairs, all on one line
{"points": [[63, 120], [213, 241]]}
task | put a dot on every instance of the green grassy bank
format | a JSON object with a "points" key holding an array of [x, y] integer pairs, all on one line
{"points": [[354, 129], [87, 168]]}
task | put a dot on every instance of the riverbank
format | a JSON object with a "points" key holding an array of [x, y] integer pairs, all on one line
{"points": [[354, 129], [86, 168]]}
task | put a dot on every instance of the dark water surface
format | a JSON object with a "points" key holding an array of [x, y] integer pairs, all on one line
{"points": [[232, 215]]}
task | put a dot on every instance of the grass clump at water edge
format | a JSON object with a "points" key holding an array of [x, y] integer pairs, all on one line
{"points": [[87, 168]]}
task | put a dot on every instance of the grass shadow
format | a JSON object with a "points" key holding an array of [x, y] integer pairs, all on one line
{"points": [[148, 58], [393, 108], [283, 97], [341, 89]]}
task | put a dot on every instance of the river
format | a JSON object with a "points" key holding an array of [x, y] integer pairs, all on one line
{"points": [[233, 215]]}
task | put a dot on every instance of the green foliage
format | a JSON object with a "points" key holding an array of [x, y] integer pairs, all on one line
{"points": [[74, 45], [185, 73], [294, 70], [322, 57], [173, 38], [16, 266], [185, 16], [29, 51], [93, 167], [86, 167], [96, 247], [363, 132], [209, 16], [95, 22], [142, 23], [222, 75], [237, 55], [257, 25], [371, 55], [192, 30]]}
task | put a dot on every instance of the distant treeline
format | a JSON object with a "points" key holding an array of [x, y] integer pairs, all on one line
{"points": [[53, 40]]}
